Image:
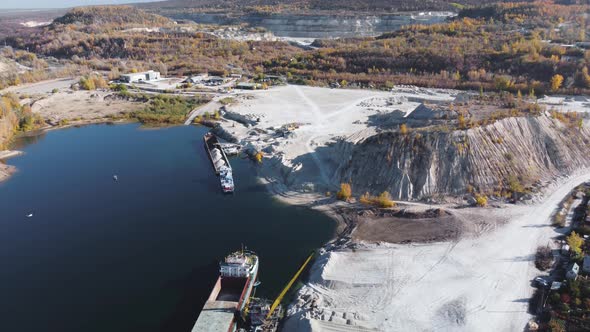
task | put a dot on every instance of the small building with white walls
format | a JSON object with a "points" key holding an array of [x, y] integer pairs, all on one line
{"points": [[145, 76]]}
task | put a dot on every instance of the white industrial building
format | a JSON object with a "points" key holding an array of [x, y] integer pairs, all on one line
{"points": [[145, 76]]}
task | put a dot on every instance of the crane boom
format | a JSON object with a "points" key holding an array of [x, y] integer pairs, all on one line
{"points": [[276, 303]]}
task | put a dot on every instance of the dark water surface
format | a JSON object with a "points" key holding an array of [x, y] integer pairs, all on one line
{"points": [[140, 254]]}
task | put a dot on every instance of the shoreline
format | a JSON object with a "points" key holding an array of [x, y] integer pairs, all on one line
{"points": [[6, 170]]}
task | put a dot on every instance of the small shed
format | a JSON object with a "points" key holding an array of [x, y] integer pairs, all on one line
{"points": [[586, 264], [572, 271]]}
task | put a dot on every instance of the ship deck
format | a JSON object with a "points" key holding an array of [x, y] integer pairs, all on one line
{"points": [[216, 316]]}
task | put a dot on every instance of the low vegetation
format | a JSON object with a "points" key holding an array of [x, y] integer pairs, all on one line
{"points": [[164, 109], [383, 200], [544, 258], [481, 200], [258, 157], [93, 82], [24, 118]]}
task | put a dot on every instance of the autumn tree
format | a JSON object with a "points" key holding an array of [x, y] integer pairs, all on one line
{"points": [[403, 129], [575, 242], [556, 82], [345, 192]]}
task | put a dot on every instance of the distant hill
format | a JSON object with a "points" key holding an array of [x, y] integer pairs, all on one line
{"points": [[118, 15]]}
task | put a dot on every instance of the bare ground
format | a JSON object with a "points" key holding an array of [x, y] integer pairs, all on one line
{"points": [[400, 226], [82, 106]]}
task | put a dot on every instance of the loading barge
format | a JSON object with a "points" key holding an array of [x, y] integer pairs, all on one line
{"points": [[220, 162], [230, 296]]}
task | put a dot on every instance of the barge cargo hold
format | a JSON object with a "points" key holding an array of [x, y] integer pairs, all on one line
{"points": [[220, 162], [231, 293], [216, 153]]}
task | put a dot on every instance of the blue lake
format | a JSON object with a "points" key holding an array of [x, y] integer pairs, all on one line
{"points": [[140, 254]]}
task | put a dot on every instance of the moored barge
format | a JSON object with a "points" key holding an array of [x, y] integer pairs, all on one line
{"points": [[220, 162], [230, 296]]}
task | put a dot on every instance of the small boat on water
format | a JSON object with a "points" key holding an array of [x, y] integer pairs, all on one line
{"points": [[220, 162]]}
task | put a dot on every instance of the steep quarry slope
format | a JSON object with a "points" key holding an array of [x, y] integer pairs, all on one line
{"points": [[317, 26], [416, 166]]}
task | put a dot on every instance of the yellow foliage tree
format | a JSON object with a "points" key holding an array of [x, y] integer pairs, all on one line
{"points": [[575, 242], [258, 157], [403, 129], [345, 192], [556, 82]]}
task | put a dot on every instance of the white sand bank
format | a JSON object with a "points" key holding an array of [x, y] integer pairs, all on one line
{"points": [[475, 284]]}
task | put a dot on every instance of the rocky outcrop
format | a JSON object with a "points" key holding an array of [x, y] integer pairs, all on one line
{"points": [[318, 26], [419, 165]]}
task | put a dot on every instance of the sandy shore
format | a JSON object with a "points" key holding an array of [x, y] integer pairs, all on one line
{"points": [[7, 170]]}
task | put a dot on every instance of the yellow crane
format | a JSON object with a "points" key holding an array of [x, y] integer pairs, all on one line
{"points": [[276, 303]]}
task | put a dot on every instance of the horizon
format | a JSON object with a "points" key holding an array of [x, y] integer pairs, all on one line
{"points": [[60, 4]]}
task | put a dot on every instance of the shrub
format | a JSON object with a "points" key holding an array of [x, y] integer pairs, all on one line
{"points": [[583, 230], [543, 258], [515, 185], [383, 200], [403, 129], [559, 220], [365, 199], [226, 101], [556, 325], [258, 157], [481, 200], [119, 87], [345, 192], [93, 82]]}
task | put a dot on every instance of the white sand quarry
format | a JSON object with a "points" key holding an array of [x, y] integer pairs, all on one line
{"points": [[567, 103], [475, 284], [323, 115]]}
